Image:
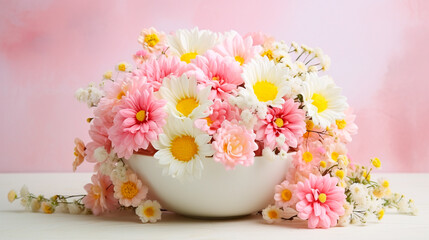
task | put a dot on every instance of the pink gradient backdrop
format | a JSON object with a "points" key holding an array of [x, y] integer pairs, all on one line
{"points": [[48, 49]]}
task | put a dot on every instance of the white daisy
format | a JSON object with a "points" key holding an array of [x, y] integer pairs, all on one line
{"points": [[266, 81], [184, 99], [359, 194], [149, 211], [187, 44], [182, 148], [124, 67], [323, 100]]}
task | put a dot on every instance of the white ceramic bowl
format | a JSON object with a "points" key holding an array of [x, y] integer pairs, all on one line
{"points": [[219, 193]]}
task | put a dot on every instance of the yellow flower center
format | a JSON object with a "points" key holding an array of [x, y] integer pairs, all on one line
{"points": [[225, 147], [309, 125], [385, 184], [122, 67], [107, 75], [272, 214], [216, 78], [322, 197], [381, 214], [187, 57], [301, 66], [96, 190], [149, 212], [334, 156], [339, 174], [320, 102], [307, 157], [11, 196], [378, 193], [279, 122], [269, 54], [129, 190], [239, 59], [184, 148], [141, 116], [120, 95], [265, 91], [151, 39], [186, 106], [366, 176], [48, 208], [322, 164], [344, 160], [376, 162], [341, 124], [209, 121], [286, 195]]}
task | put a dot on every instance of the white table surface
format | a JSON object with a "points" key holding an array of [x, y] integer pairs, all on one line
{"points": [[16, 223]]}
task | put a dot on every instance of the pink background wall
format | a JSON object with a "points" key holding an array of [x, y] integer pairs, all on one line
{"points": [[48, 49]]}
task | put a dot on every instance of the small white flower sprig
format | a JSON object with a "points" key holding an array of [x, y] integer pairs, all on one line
{"points": [[300, 59], [368, 200], [57, 203]]}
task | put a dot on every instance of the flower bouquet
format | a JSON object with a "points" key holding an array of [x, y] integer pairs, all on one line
{"points": [[220, 125]]}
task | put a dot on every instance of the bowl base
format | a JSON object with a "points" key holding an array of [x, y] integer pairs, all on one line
{"points": [[213, 218]]}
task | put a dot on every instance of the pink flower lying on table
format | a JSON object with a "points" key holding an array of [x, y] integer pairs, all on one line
{"points": [[285, 195], [130, 192], [320, 201], [100, 195]]}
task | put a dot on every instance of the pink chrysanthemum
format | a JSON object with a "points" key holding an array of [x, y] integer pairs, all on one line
{"points": [[242, 50], [320, 201], [130, 192], [139, 120], [309, 155], [219, 112], [114, 92], [345, 128], [260, 38], [287, 120], [156, 69], [100, 138], [234, 144], [100, 195], [140, 56], [285, 195], [295, 175], [223, 74]]}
